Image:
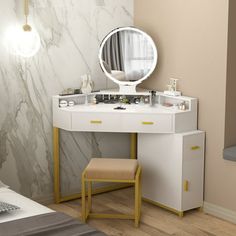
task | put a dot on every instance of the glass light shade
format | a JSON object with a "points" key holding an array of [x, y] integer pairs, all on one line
{"points": [[22, 43]]}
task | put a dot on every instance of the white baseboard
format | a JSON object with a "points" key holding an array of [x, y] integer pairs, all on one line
{"points": [[219, 212]]}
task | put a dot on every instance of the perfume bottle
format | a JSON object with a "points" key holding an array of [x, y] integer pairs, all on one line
{"points": [[153, 98]]}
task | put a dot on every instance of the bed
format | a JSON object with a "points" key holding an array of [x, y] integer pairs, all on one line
{"points": [[34, 219], [119, 75]]}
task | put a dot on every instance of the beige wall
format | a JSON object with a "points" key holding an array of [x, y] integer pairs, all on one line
{"points": [[230, 121], [191, 36]]}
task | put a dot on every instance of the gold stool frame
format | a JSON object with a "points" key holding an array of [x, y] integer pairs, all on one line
{"points": [[86, 208]]}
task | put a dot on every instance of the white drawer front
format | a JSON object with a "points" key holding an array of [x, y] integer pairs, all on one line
{"points": [[100, 122], [193, 147], [149, 123]]}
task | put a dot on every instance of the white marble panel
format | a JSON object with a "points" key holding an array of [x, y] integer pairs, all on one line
{"points": [[70, 31]]}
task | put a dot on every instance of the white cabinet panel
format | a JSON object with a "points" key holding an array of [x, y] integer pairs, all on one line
{"points": [[173, 166], [161, 175], [62, 119]]}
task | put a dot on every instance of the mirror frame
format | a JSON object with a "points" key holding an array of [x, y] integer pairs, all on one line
{"points": [[124, 85]]}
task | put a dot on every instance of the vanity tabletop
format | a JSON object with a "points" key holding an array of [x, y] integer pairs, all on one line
{"points": [[129, 108]]}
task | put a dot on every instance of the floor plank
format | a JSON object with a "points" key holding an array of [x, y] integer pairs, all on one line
{"points": [[154, 221]]}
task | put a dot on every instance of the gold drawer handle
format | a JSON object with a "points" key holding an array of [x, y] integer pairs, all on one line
{"points": [[147, 123], [186, 186], [96, 122], [194, 148]]}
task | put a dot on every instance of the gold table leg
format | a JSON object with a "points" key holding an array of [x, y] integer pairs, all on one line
{"points": [[83, 184], [56, 168], [133, 146], [56, 165]]}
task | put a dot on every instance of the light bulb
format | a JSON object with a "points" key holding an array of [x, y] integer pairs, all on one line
{"points": [[22, 43]]}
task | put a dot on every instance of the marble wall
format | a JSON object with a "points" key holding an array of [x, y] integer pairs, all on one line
{"points": [[70, 31]]}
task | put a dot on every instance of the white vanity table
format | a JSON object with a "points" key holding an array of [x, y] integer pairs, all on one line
{"points": [[136, 118], [169, 147]]}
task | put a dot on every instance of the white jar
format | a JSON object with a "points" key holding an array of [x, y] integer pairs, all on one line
{"points": [[71, 103], [63, 103]]}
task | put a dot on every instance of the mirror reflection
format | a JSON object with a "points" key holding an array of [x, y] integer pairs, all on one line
{"points": [[128, 55]]}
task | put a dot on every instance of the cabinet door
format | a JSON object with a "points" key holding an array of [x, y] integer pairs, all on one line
{"points": [[193, 170], [161, 161]]}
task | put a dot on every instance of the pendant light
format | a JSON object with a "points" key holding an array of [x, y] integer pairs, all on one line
{"points": [[23, 41]]}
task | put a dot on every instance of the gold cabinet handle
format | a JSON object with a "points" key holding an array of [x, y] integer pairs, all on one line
{"points": [[194, 148], [147, 123], [186, 186], [96, 122]]}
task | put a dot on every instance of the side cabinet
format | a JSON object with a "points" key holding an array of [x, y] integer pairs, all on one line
{"points": [[173, 169]]}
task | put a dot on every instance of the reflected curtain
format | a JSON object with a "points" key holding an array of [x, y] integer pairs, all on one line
{"points": [[112, 53]]}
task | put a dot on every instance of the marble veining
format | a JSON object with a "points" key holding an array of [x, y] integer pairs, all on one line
{"points": [[70, 31]]}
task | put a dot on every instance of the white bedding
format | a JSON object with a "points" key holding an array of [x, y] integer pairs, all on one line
{"points": [[119, 75], [27, 207]]}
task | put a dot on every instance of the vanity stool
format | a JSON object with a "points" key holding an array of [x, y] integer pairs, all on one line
{"points": [[116, 171]]}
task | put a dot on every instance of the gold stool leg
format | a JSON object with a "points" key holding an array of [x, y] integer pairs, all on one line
{"points": [[89, 196], [83, 200], [140, 194], [137, 198]]}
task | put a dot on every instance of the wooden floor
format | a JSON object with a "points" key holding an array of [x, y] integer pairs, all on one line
{"points": [[154, 221]]}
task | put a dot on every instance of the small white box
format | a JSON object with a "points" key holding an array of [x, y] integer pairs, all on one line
{"points": [[172, 93]]}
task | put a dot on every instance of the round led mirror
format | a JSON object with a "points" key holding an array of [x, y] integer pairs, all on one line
{"points": [[128, 56]]}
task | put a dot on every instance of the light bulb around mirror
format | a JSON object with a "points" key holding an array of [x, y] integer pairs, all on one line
{"points": [[22, 43]]}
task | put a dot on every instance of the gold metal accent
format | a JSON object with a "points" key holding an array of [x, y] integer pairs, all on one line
{"points": [[83, 201], [56, 164], [186, 185], [133, 146], [26, 7], [195, 148], [147, 123], [138, 197], [89, 196], [201, 209], [96, 122], [111, 180], [96, 191], [26, 26], [56, 167], [85, 214], [179, 213], [111, 216]]}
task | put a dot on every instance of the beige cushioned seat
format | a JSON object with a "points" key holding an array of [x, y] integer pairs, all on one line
{"points": [[106, 168]]}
